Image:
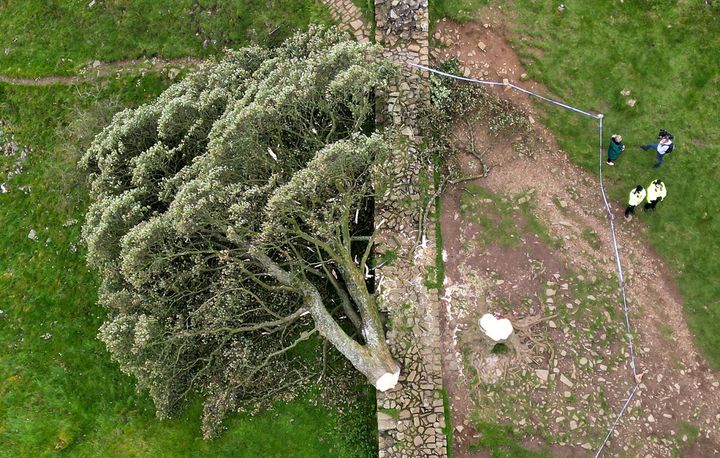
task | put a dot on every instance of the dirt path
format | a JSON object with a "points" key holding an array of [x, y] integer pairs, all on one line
{"points": [[576, 378], [97, 69]]}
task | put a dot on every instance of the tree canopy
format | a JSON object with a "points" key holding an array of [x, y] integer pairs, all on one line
{"points": [[231, 219]]}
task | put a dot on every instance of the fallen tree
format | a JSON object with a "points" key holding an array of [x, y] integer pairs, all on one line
{"points": [[231, 220]]}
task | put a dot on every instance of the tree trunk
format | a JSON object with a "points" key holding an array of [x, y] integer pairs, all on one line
{"points": [[372, 360]]}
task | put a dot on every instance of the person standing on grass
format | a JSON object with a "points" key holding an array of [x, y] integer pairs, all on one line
{"points": [[656, 192], [637, 195], [663, 147], [615, 148]]}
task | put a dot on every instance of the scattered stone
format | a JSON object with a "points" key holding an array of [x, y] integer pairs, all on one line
{"points": [[542, 374], [550, 292], [385, 422], [631, 102], [566, 381], [32, 235], [625, 92], [482, 46]]}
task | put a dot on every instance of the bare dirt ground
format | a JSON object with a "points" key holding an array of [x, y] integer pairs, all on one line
{"points": [[572, 377]]}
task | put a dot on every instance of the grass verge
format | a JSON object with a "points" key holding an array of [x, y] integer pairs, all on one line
{"points": [[41, 38], [457, 10], [666, 54]]}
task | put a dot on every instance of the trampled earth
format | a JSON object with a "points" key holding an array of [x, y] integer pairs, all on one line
{"points": [[531, 242]]}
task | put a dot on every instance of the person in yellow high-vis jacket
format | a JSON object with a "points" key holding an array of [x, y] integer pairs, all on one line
{"points": [[655, 193], [637, 195]]}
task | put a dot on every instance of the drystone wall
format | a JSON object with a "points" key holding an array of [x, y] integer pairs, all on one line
{"points": [[349, 18], [411, 418]]}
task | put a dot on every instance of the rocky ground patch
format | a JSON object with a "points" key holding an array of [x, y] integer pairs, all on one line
{"points": [[531, 242]]}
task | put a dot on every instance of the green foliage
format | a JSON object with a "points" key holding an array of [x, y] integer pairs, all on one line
{"points": [[457, 109], [210, 207], [448, 428], [60, 393], [592, 52], [368, 9], [61, 37]]}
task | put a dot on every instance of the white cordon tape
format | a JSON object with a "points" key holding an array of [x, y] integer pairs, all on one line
{"points": [[618, 265]]}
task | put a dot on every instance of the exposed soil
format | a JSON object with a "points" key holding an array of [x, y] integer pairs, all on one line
{"points": [[572, 284]]}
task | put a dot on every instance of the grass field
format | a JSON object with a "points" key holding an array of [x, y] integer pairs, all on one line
{"points": [[458, 10], [60, 394], [40, 37], [667, 54]]}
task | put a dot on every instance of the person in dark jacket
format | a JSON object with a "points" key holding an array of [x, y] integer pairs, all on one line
{"points": [[615, 148]]}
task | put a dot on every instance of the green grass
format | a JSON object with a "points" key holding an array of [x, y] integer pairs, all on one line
{"points": [[368, 9], [492, 213], [57, 37], [60, 393], [457, 10], [448, 429], [594, 50], [499, 442]]}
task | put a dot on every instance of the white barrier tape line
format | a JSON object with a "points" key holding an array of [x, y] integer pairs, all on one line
{"points": [[621, 280], [618, 264], [617, 420], [555, 102], [450, 75], [499, 83]]}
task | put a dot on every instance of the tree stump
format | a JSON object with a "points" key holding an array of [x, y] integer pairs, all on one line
{"points": [[498, 331]]}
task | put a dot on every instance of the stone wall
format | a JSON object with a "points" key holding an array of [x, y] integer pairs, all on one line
{"points": [[349, 18], [411, 416]]}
